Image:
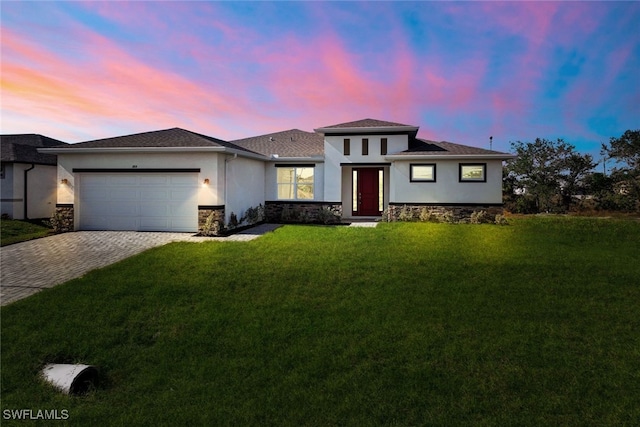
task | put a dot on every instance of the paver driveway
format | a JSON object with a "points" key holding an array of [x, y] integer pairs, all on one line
{"points": [[29, 267]]}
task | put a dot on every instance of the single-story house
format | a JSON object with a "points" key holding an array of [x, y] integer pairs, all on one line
{"points": [[27, 177], [177, 180]]}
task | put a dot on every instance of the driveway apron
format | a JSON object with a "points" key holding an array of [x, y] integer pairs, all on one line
{"points": [[28, 267]]}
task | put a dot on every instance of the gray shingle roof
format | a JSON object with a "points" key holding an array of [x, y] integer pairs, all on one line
{"points": [[174, 137], [288, 143], [425, 147], [366, 123], [23, 148]]}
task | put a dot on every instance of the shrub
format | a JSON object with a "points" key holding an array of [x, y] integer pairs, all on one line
{"points": [[448, 217], [426, 215], [253, 215], [481, 217], [406, 214], [233, 220], [326, 215], [501, 220]]}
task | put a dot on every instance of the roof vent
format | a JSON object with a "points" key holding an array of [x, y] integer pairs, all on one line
{"points": [[270, 138]]}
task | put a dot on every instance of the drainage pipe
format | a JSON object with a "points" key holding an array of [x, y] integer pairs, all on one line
{"points": [[26, 182], [71, 379]]}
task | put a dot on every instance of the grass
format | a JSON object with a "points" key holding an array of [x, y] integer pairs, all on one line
{"points": [[14, 231], [535, 323]]}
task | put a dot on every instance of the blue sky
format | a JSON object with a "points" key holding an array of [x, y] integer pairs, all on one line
{"points": [[462, 71]]}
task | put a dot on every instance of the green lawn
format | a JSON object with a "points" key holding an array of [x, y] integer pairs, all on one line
{"points": [[13, 231], [535, 323]]}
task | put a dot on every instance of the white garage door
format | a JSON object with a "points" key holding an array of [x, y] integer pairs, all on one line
{"points": [[139, 201]]}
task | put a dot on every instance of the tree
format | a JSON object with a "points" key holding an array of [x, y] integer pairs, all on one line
{"points": [[625, 151], [546, 175]]}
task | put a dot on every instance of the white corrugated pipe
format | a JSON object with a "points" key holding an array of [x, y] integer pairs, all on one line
{"points": [[71, 379]]}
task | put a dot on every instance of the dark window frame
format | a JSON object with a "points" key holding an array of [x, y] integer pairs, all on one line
{"points": [[383, 146], [412, 179], [365, 146], [484, 172], [346, 147]]}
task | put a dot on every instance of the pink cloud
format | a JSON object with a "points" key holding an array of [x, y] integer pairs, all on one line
{"points": [[109, 85]]}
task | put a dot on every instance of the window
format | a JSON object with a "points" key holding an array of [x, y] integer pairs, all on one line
{"points": [[383, 146], [423, 173], [295, 182], [1, 170], [347, 147], [365, 146], [381, 190], [473, 172]]}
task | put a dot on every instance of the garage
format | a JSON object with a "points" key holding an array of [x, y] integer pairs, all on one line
{"points": [[143, 201]]}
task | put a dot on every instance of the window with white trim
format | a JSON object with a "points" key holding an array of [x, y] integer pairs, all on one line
{"points": [[295, 182]]}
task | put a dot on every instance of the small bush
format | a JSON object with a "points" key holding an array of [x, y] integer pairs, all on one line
{"points": [[482, 217], [385, 215], [448, 217], [253, 215], [233, 220], [326, 215], [426, 215], [501, 220], [406, 214]]}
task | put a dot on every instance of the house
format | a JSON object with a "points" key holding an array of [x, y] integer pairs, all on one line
{"points": [[177, 180], [27, 177]]}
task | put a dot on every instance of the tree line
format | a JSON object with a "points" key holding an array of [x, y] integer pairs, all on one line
{"points": [[551, 176]]}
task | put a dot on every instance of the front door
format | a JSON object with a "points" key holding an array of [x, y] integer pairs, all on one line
{"points": [[367, 191]]}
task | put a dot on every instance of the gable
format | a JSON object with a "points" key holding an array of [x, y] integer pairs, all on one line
{"points": [[366, 123]]}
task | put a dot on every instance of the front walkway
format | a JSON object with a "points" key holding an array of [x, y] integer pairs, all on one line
{"points": [[28, 267]]}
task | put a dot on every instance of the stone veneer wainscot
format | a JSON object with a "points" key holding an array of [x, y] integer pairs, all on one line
{"points": [[301, 212], [457, 211], [218, 217], [63, 218]]}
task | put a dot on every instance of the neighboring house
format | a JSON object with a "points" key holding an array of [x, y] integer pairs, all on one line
{"points": [[174, 179], [27, 177]]}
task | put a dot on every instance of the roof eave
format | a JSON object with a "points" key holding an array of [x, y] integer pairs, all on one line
{"points": [[393, 157], [29, 162], [357, 130], [315, 159], [96, 150]]}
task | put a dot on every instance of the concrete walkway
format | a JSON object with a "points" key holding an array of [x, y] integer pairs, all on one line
{"points": [[28, 267], [364, 224]]}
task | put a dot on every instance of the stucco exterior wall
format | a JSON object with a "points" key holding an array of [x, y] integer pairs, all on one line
{"points": [[447, 188], [41, 191], [209, 164], [245, 186], [334, 157]]}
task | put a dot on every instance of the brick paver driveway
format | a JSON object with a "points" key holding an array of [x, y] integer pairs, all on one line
{"points": [[29, 267]]}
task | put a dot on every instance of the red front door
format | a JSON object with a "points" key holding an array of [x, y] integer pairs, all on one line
{"points": [[368, 191]]}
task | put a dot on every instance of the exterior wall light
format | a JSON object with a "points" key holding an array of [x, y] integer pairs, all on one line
{"points": [[206, 181], [64, 181]]}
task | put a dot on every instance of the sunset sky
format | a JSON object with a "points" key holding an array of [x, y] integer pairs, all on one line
{"points": [[462, 71]]}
